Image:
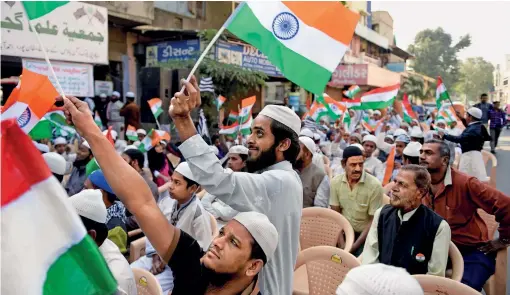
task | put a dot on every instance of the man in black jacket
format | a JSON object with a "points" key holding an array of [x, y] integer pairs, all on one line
{"points": [[471, 142], [406, 233]]}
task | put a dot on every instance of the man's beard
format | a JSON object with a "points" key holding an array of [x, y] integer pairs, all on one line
{"points": [[218, 279], [81, 163], [298, 164], [266, 159]]}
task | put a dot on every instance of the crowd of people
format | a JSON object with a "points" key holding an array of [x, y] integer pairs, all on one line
{"points": [[406, 192]]}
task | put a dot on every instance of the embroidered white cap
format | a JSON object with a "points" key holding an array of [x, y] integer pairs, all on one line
{"points": [[308, 143], [412, 149], [89, 204], [306, 132], [284, 115], [116, 93], [475, 112], [141, 131], [130, 94], [238, 149], [261, 229], [370, 137], [55, 162], [416, 132], [183, 169], [377, 112], [398, 132]]}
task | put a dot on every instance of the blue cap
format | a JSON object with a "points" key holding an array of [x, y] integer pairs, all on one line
{"points": [[97, 179]]}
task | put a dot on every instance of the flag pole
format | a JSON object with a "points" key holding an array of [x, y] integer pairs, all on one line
{"points": [[59, 87], [210, 45]]}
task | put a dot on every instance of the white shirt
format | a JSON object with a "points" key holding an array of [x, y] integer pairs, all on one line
{"points": [[119, 267], [323, 193], [218, 208], [276, 192], [438, 258], [375, 167]]}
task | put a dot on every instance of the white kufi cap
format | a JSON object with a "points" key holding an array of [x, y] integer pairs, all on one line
{"points": [[116, 93], [41, 147], [184, 170], [416, 132], [379, 279], [59, 140], [308, 143], [55, 162], [358, 146], [238, 149], [284, 115], [370, 137], [398, 132], [261, 229], [141, 131], [377, 112], [412, 149], [114, 134], [475, 112], [130, 94], [306, 132], [89, 204]]}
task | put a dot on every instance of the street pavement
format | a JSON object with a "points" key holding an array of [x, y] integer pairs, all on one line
{"points": [[503, 174]]}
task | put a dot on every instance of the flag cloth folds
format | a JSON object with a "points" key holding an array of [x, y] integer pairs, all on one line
{"points": [[131, 133], [65, 259], [379, 98], [335, 108], [156, 106], [354, 103], [42, 130], [441, 93], [230, 130], [206, 85], [91, 166], [203, 130], [220, 100], [149, 141], [35, 98], [409, 114], [163, 135], [36, 9], [246, 126], [352, 91], [232, 116], [246, 106], [305, 40], [317, 110], [390, 164]]}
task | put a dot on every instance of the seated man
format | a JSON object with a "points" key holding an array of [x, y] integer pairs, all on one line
{"points": [[188, 215], [92, 211], [356, 195], [237, 156], [310, 174], [407, 234], [456, 197]]}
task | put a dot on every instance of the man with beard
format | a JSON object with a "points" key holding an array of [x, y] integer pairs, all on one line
{"points": [[372, 165], [275, 189], [78, 174], [456, 197], [407, 234], [311, 175], [356, 195]]}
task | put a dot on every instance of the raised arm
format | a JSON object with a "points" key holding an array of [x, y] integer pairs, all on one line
{"points": [[127, 184]]}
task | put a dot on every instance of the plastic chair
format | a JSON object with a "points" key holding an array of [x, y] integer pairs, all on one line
{"points": [[491, 178], [319, 270], [323, 226], [136, 249], [457, 270], [214, 225], [496, 284], [146, 283], [434, 285]]}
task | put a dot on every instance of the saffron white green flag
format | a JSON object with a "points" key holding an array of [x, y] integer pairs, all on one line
{"points": [[379, 98], [149, 141], [305, 40], [246, 126], [131, 133], [230, 130], [441, 93], [156, 106], [45, 247]]}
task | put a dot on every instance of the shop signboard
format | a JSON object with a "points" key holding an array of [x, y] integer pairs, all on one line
{"points": [[246, 56], [75, 32], [356, 74], [75, 79], [161, 53], [105, 87]]}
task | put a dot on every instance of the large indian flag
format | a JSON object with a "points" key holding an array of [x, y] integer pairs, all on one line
{"points": [[45, 248], [305, 40], [441, 93], [379, 98]]}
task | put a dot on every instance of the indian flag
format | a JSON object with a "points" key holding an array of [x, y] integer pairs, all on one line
{"points": [[352, 91], [36, 9], [42, 130], [409, 114], [156, 106], [335, 109], [34, 99], [317, 110], [98, 121], [379, 98], [150, 140], [305, 40], [352, 103], [58, 119], [230, 130], [390, 164], [246, 106], [91, 166], [131, 133], [220, 100], [45, 247], [163, 135], [441, 93], [232, 116], [246, 126]]}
